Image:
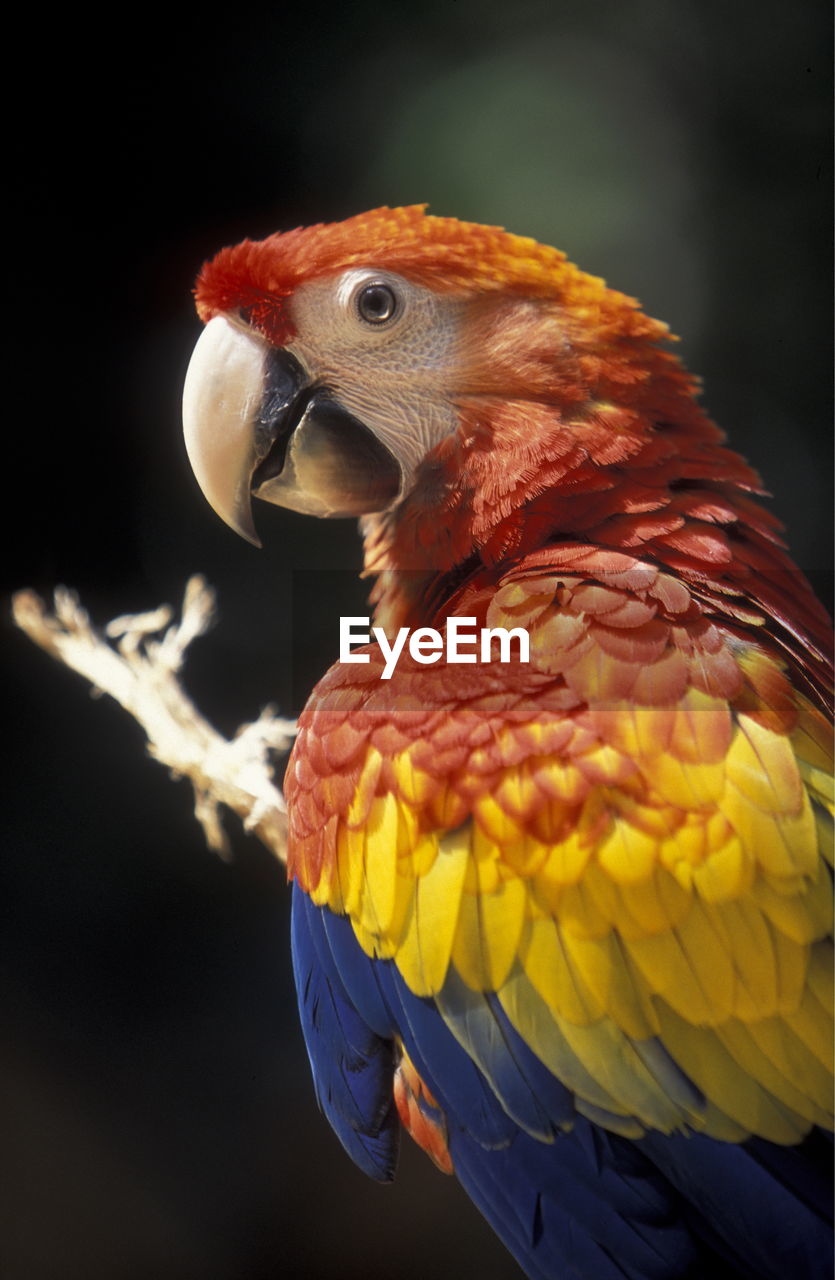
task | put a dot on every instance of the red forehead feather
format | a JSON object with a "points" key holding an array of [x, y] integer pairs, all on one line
{"points": [[442, 253]]}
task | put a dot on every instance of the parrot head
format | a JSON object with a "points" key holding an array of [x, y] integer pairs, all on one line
{"points": [[347, 368]]}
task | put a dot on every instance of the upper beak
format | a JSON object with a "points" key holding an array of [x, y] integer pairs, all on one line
{"points": [[254, 423]]}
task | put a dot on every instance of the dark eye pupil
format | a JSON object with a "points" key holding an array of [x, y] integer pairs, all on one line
{"points": [[377, 303]]}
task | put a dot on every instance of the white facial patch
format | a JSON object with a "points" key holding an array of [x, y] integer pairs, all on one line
{"points": [[395, 376]]}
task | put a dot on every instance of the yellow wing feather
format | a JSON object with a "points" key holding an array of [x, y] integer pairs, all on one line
{"points": [[644, 890]]}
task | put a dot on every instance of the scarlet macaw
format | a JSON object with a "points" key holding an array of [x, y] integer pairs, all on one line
{"points": [[566, 921]]}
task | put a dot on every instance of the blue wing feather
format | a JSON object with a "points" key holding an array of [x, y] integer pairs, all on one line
{"points": [[584, 1202], [352, 965], [352, 1066], [446, 1068], [528, 1092], [747, 1203]]}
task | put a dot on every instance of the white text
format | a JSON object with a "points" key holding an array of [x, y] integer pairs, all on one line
{"points": [[461, 642]]}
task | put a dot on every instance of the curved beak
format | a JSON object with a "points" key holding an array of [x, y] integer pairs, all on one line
{"points": [[254, 423]]}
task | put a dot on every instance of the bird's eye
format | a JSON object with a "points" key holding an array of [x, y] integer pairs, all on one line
{"points": [[377, 303]]}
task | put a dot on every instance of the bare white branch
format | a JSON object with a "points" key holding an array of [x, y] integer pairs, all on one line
{"points": [[141, 674]]}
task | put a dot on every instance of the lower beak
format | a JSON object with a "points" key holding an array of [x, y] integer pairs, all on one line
{"points": [[254, 424]]}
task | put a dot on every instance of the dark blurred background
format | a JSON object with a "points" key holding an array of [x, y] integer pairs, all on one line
{"points": [[160, 1120]]}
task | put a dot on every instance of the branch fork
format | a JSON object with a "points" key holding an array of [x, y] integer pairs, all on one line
{"points": [[137, 659]]}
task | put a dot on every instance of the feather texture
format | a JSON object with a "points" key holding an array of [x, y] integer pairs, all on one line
{"points": [[574, 916], [621, 892]]}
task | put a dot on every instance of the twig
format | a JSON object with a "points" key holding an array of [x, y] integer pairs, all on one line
{"points": [[140, 672]]}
